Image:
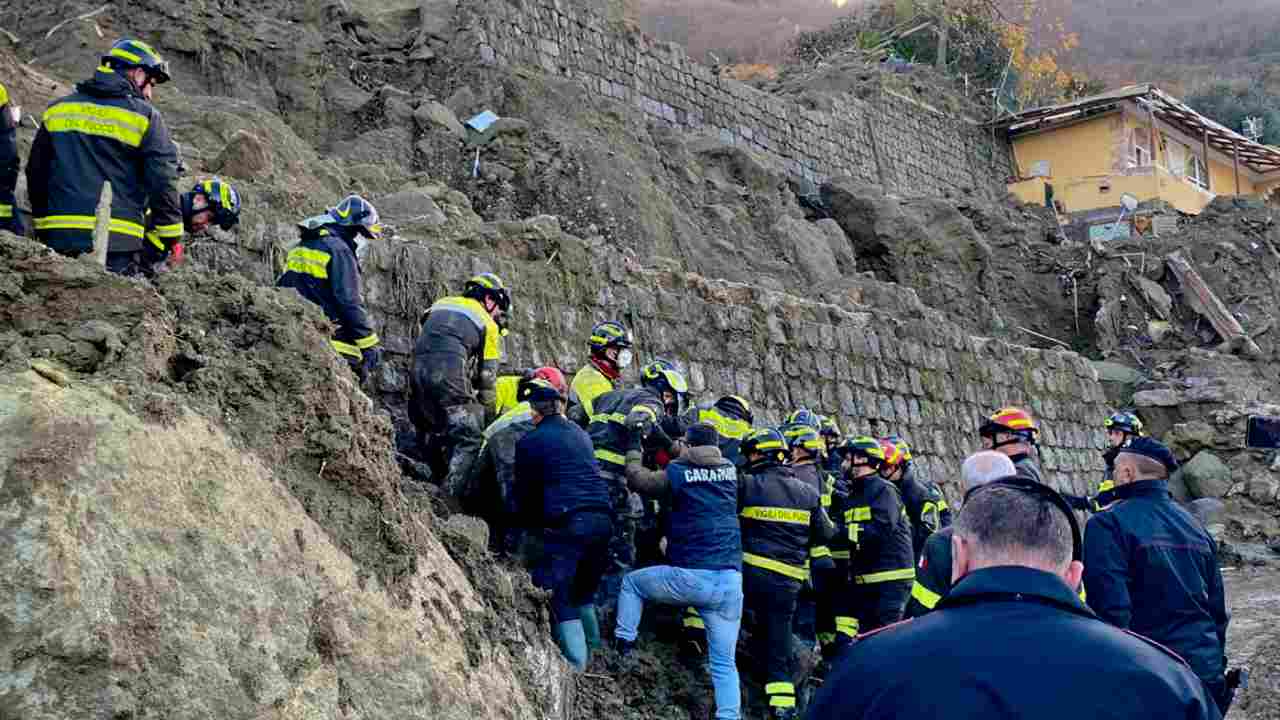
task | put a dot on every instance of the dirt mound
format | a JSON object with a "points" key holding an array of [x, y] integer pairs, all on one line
{"points": [[229, 502]]}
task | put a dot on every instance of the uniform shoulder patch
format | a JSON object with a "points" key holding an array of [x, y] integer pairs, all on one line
{"points": [[890, 626], [1156, 645]]}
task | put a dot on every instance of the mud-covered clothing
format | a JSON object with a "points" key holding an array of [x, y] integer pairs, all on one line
{"points": [[323, 269], [782, 518], [701, 490], [933, 574], [588, 384], [618, 414], [1009, 642], [881, 565], [103, 132], [10, 163], [927, 509], [730, 429], [496, 476], [455, 361], [1150, 567]]}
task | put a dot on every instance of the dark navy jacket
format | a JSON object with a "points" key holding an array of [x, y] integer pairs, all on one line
{"points": [[9, 160], [556, 475], [704, 532], [1009, 642], [1152, 568], [323, 269]]}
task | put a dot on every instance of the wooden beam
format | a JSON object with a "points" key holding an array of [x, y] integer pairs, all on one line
{"points": [[1204, 302], [1208, 181], [1155, 146], [1235, 162]]}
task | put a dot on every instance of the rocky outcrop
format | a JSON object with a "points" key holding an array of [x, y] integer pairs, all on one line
{"points": [[206, 521]]}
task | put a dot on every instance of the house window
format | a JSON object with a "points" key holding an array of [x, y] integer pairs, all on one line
{"points": [[1139, 147], [1196, 171]]}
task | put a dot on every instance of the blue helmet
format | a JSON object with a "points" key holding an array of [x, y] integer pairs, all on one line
{"points": [[130, 53], [356, 212], [804, 416], [223, 200]]}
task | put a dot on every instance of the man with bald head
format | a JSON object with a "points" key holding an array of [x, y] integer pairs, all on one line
{"points": [[1153, 569], [1011, 639], [933, 572]]}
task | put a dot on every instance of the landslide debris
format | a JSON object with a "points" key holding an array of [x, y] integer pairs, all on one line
{"points": [[204, 519]]}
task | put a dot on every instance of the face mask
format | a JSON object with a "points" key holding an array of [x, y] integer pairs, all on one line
{"points": [[624, 358]]}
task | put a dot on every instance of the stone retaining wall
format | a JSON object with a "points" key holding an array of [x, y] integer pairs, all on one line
{"points": [[906, 145]]}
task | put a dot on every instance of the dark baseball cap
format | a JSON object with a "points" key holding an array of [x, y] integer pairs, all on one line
{"points": [[1152, 448]]}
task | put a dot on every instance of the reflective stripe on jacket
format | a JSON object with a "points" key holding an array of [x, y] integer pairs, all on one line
{"points": [[879, 532], [323, 269], [9, 160], [104, 132], [782, 518], [608, 426]]}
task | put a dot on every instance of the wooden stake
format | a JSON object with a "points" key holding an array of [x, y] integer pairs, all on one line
{"points": [[1208, 176], [102, 226], [1235, 162]]}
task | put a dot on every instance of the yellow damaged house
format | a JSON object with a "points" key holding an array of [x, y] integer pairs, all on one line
{"points": [[1080, 157]]}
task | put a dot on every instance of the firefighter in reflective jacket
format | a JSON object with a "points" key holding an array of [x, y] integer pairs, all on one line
{"points": [[834, 438], [324, 270], [617, 416], [211, 202], [455, 372], [495, 469], [782, 522], [107, 131], [610, 345], [1121, 429], [807, 449], [731, 416], [926, 507], [880, 564], [10, 163]]}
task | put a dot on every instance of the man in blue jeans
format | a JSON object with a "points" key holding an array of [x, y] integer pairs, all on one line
{"points": [[704, 549]]}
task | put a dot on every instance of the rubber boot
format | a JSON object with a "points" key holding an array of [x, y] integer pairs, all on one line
{"points": [[573, 643], [590, 626]]}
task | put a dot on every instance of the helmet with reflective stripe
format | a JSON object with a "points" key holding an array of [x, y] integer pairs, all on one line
{"points": [[767, 442], [609, 334], [892, 455], [803, 436], [903, 449], [356, 212], [487, 284], [1012, 421], [863, 446], [662, 375], [223, 200], [1124, 422], [829, 429], [735, 406], [130, 53], [803, 416]]}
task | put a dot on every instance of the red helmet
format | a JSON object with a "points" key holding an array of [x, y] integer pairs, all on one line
{"points": [[1012, 421], [893, 455], [553, 376]]}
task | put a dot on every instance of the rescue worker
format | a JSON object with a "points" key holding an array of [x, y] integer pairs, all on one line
{"points": [[618, 414], [1150, 567], [933, 569], [455, 371], [782, 523], [880, 563], [210, 202], [806, 449], [804, 416], [108, 131], [833, 437], [1121, 428], [561, 489], [1012, 640], [10, 164], [732, 418], [1012, 432], [323, 268], [495, 468], [610, 348], [833, 585], [926, 507], [704, 554]]}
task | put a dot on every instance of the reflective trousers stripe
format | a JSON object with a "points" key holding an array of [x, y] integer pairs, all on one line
{"points": [[6, 211], [924, 595], [346, 349], [846, 625], [88, 222], [820, 551], [611, 456], [839, 554], [782, 568], [886, 576], [367, 341]]}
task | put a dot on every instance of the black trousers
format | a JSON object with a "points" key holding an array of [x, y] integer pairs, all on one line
{"points": [[574, 559], [770, 599], [876, 605]]}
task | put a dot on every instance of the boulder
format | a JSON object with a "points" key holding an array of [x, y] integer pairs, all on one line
{"points": [[1206, 476], [244, 156], [413, 205], [1111, 372], [1262, 489], [432, 115], [810, 247]]}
